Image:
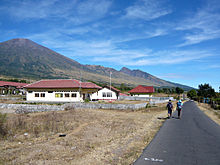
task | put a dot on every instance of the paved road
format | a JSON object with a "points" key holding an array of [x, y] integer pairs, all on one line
{"points": [[192, 140]]}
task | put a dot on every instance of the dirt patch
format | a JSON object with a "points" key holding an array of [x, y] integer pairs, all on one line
{"points": [[210, 112], [92, 136]]}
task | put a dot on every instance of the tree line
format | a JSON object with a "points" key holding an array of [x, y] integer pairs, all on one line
{"points": [[176, 90], [205, 93]]}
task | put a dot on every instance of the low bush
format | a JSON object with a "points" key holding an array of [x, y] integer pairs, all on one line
{"points": [[3, 129]]}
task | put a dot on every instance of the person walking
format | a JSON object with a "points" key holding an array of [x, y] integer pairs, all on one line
{"points": [[170, 109], [179, 107]]}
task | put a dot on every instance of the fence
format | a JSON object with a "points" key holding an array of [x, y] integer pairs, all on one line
{"points": [[151, 100]]}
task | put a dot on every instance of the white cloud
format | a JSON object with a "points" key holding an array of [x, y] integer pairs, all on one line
{"points": [[146, 10], [34, 9], [172, 76], [74, 12], [145, 34], [203, 26], [90, 10], [155, 58], [215, 66], [107, 51]]}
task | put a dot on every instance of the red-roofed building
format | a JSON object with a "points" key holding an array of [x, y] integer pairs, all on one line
{"points": [[123, 94], [60, 90], [7, 87], [142, 91]]}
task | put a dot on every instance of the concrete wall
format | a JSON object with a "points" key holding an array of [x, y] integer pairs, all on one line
{"points": [[27, 108], [106, 106]]}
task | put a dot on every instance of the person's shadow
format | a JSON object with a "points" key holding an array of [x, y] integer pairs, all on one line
{"points": [[175, 117], [163, 118]]}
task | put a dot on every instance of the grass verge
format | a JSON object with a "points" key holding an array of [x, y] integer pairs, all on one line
{"points": [[210, 112]]}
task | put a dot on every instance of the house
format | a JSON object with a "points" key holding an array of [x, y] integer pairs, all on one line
{"points": [[60, 91], [7, 87], [106, 93], [142, 91]]}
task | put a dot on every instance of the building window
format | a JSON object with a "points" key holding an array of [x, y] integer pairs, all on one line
{"points": [[58, 95], [103, 94], [67, 95], [28, 91], [50, 91], [109, 94], [37, 95], [73, 95], [42, 95]]}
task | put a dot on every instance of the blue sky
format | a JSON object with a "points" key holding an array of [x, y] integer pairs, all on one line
{"points": [[174, 40]]}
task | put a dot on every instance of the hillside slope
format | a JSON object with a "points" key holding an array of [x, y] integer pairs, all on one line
{"points": [[23, 58]]}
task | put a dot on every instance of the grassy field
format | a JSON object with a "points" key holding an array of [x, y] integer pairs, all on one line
{"points": [[92, 136], [213, 114]]}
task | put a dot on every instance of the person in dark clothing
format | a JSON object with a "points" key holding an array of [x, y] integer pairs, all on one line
{"points": [[179, 107], [170, 108]]}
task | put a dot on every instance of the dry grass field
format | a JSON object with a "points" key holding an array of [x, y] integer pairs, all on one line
{"points": [[213, 114], [92, 136]]}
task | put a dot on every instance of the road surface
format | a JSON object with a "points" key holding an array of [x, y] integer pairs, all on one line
{"points": [[192, 140]]}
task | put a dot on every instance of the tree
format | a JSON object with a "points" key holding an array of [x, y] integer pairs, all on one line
{"points": [[122, 87], [159, 90], [179, 90], [206, 91], [192, 94]]}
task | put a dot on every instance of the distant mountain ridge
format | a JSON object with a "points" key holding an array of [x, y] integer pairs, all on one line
{"points": [[23, 58]]}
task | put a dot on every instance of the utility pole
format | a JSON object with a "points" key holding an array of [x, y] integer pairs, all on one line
{"points": [[110, 79], [80, 85]]}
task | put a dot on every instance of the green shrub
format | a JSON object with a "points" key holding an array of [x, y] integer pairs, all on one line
{"points": [[3, 130], [86, 100]]}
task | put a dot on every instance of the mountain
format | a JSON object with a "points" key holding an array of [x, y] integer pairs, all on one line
{"points": [[23, 58], [159, 82]]}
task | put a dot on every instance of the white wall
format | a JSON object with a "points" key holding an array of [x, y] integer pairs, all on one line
{"points": [[50, 97], [99, 95], [142, 95]]}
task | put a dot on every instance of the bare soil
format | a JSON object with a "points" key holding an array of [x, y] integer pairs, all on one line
{"points": [[210, 112], [92, 136]]}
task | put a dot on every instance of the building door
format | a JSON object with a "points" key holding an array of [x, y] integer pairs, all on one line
{"points": [[84, 96]]}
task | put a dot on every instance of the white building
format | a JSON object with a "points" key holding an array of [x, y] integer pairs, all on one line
{"points": [[106, 93], [60, 91]]}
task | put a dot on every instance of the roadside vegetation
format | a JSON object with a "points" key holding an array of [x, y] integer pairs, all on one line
{"points": [[205, 94], [208, 101]]}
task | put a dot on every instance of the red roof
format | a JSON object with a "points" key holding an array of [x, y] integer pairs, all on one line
{"points": [[15, 84], [112, 88], [122, 94], [61, 83], [142, 89]]}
